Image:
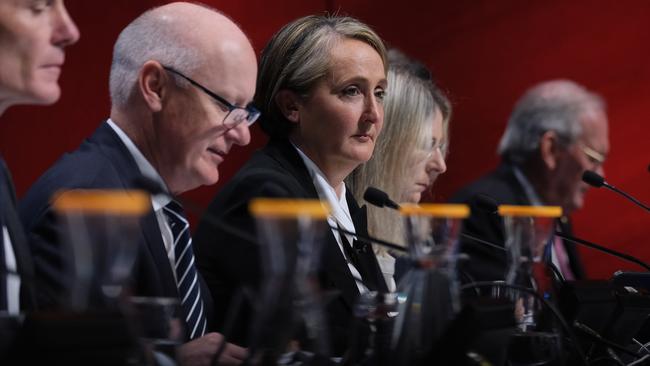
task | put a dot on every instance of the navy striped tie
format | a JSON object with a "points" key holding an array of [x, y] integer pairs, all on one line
{"points": [[187, 279]]}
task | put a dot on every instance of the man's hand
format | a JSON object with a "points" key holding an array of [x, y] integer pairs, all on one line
{"points": [[201, 351]]}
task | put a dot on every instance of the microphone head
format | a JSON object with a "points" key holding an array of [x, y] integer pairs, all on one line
{"points": [[378, 198], [149, 185], [593, 178]]}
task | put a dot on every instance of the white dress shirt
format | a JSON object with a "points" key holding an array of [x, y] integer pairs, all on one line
{"points": [[387, 266], [340, 211], [12, 278]]}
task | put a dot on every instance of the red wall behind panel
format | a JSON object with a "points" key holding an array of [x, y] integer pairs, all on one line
{"points": [[485, 53]]}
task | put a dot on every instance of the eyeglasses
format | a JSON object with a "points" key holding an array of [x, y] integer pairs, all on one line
{"points": [[236, 115], [441, 147], [596, 158]]}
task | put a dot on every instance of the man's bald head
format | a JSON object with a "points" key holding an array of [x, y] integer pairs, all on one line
{"points": [[178, 72], [180, 35]]}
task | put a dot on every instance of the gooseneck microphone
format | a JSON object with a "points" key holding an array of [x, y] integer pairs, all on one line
{"points": [[603, 249], [369, 239], [593, 179], [379, 198], [596, 180]]}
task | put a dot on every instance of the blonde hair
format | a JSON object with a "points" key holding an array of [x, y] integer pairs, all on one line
{"points": [[297, 57], [411, 102]]}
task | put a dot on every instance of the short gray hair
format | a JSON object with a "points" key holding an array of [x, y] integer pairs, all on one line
{"points": [[549, 106], [148, 37]]}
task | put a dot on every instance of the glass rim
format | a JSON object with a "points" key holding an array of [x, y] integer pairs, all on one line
{"points": [[450, 210], [288, 208], [102, 201], [530, 211]]}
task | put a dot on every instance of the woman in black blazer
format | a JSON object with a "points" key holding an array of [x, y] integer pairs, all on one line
{"points": [[320, 89]]}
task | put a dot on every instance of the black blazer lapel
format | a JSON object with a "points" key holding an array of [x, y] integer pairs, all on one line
{"points": [[287, 156], [374, 279], [156, 246], [335, 267], [336, 272], [112, 145]]}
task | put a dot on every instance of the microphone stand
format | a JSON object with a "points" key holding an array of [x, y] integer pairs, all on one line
{"points": [[586, 243], [596, 180], [369, 239], [628, 196]]}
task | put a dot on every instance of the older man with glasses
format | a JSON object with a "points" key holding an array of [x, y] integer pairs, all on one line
{"points": [[172, 129], [557, 130]]}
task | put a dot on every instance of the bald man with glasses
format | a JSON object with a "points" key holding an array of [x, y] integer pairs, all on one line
{"points": [[181, 83]]}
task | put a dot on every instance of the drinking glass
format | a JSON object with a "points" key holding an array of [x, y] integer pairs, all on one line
{"points": [[100, 230], [290, 316], [428, 294], [529, 235]]}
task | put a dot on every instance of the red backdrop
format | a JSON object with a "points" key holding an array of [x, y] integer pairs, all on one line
{"points": [[485, 53]]}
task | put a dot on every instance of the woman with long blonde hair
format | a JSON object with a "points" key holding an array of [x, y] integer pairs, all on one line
{"points": [[410, 153]]}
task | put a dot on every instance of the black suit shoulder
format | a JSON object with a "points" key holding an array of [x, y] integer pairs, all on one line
{"points": [[228, 262], [79, 169], [500, 184], [101, 161], [262, 176]]}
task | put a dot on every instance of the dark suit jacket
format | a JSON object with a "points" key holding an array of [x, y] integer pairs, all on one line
{"points": [[101, 162], [24, 262], [487, 263], [228, 262]]}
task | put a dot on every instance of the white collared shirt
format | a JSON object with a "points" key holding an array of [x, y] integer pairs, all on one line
{"points": [[340, 211], [12, 277], [159, 201], [532, 196]]}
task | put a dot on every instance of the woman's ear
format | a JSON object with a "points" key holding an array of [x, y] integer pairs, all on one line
{"points": [[289, 104], [549, 149], [151, 84]]}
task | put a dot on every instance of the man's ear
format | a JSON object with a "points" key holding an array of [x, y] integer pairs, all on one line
{"points": [[152, 84], [289, 103], [549, 149]]}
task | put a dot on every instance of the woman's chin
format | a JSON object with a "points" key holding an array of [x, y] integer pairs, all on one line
{"points": [[414, 197], [45, 94]]}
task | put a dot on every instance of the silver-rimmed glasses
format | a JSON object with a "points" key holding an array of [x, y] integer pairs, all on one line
{"points": [[236, 115]]}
